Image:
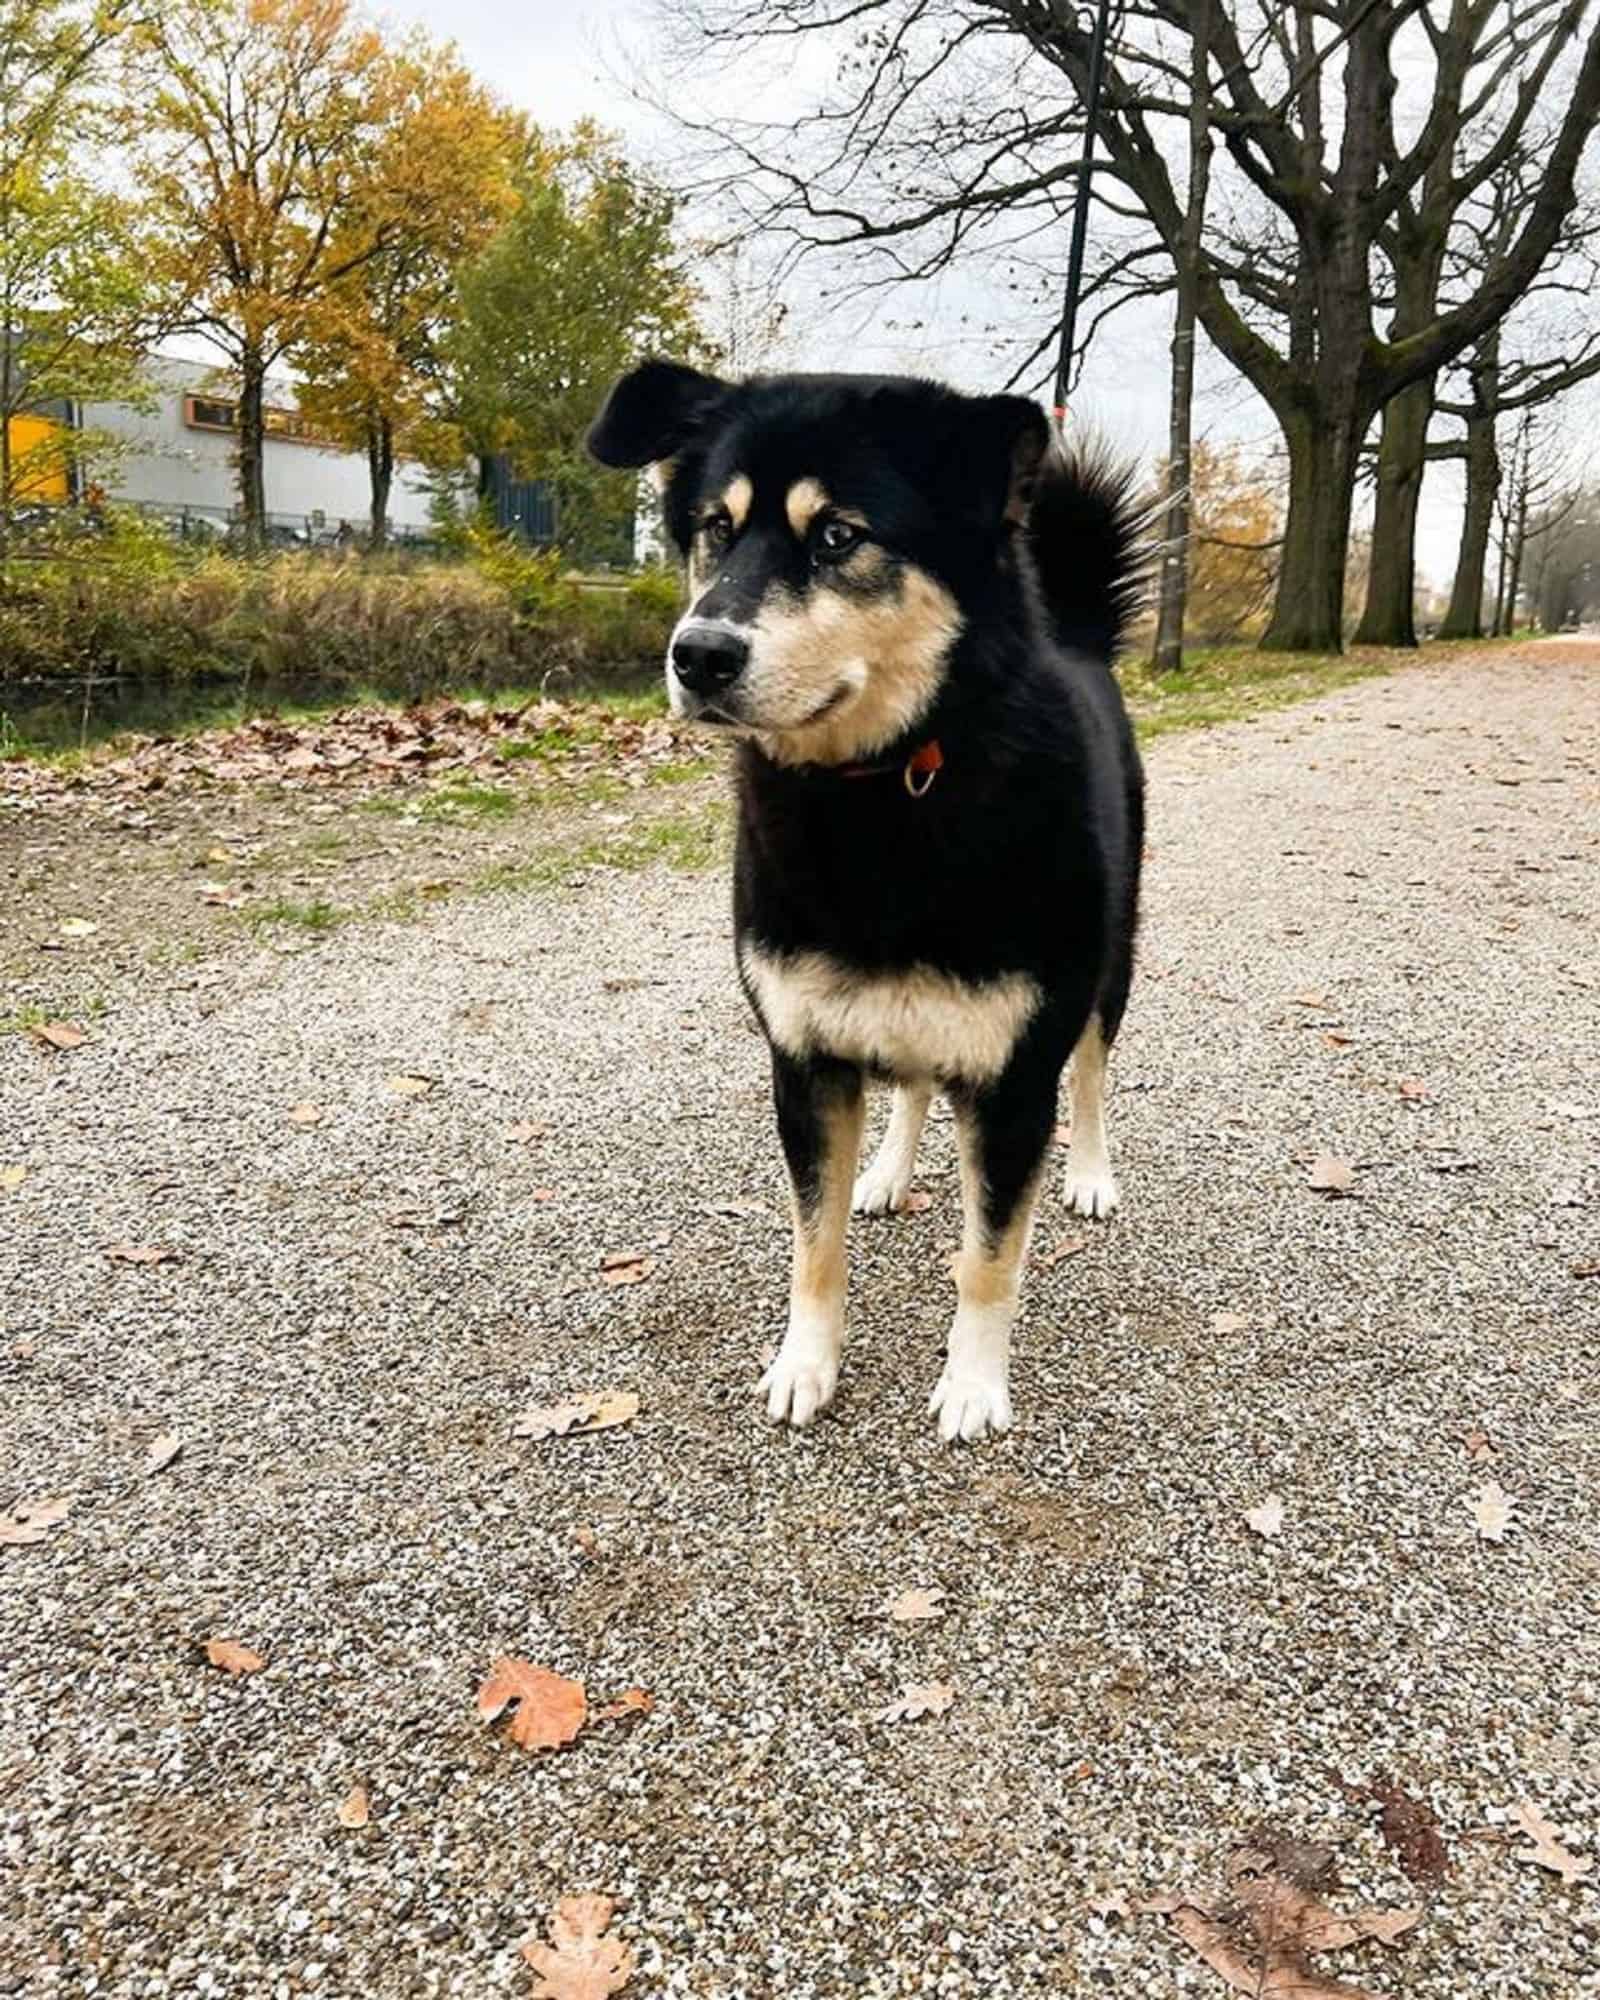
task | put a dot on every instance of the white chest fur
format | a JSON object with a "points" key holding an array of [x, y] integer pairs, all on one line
{"points": [[915, 1023]]}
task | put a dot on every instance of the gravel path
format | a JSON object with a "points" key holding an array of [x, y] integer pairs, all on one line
{"points": [[1399, 882]]}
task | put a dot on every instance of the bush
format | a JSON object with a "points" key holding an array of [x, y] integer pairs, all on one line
{"points": [[133, 604]]}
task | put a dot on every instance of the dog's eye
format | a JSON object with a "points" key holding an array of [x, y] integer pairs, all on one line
{"points": [[719, 531], [835, 540]]}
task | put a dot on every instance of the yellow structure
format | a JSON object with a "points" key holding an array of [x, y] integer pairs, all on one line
{"points": [[48, 480]]}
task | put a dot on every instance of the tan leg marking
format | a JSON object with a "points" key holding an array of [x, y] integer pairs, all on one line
{"points": [[1091, 1186], [802, 1378]]}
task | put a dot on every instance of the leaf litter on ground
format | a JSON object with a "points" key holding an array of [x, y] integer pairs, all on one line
{"points": [[1547, 1850], [912, 1607], [581, 1961], [30, 1521], [578, 1416], [163, 1450], [1266, 1519], [1492, 1509], [233, 1658], [919, 1699], [625, 1267], [1330, 1175]]}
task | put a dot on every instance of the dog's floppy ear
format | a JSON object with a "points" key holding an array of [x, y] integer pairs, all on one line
{"points": [[1006, 437], [651, 412]]}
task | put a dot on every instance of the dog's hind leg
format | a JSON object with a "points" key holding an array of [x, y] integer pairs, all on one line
{"points": [[1091, 1186], [887, 1181], [821, 1106], [1004, 1135]]}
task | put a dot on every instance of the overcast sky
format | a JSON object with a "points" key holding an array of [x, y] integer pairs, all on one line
{"points": [[560, 61]]}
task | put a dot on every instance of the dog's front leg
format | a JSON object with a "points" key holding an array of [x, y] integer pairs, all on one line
{"points": [[1004, 1132], [821, 1105]]}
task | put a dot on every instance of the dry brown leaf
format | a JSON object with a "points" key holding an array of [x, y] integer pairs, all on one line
{"points": [[233, 1658], [525, 1129], [588, 1542], [917, 1202], [1267, 1518], [1589, 1269], [1547, 1850], [594, 1410], [1333, 1039], [1228, 1322], [1409, 1828], [580, 1962], [305, 1114], [356, 1808], [624, 1267], [923, 1698], [1413, 1089], [59, 1035], [220, 896], [1478, 1447], [913, 1606], [411, 1086], [31, 1520], [631, 1701], [1308, 999], [550, 1709], [12, 1177], [1330, 1175], [1063, 1247], [140, 1253], [1491, 1510], [163, 1450]]}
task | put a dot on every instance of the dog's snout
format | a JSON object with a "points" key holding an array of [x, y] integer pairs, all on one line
{"points": [[708, 657]]}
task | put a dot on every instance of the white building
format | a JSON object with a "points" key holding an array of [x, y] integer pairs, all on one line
{"points": [[178, 457]]}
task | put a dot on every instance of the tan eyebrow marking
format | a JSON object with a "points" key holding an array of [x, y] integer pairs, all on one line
{"points": [[736, 498], [803, 502]]}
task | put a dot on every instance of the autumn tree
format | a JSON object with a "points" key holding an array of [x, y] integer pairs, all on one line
{"points": [[72, 291], [260, 153], [1235, 539], [1341, 125], [372, 360], [584, 277]]}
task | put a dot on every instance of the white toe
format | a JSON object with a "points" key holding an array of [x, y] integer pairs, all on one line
{"points": [[1090, 1189], [797, 1386], [880, 1191], [970, 1406]]}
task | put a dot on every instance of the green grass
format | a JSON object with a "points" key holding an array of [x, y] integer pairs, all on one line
{"points": [[315, 917], [23, 1019]]}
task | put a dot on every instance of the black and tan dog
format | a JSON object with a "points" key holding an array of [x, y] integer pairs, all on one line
{"points": [[904, 602]]}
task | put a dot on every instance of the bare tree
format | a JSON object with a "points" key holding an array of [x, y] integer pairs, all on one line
{"points": [[1323, 146]]}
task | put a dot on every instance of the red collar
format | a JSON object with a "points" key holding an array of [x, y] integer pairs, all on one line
{"points": [[917, 772]]}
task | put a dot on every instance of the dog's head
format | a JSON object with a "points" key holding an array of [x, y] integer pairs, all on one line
{"points": [[838, 532]]}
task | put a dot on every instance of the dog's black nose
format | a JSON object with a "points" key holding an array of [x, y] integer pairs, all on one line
{"points": [[708, 657]]}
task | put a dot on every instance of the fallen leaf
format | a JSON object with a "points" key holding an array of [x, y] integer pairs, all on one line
{"points": [[233, 1658], [1333, 1039], [221, 896], [917, 1202], [545, 1194], [625, 1267], [580, 1962], [1228, 1322], [1412, 1089], [1478, 1447], [356, 1808], [59, 1035], [1547, 1851], [1064, 1247], [1267, 1518], [912, 1606], [77, 927], [140, 1253], [632, 1701], [24, 1349], [588, 1542], [1491, 1510], [594, 1410], [12, 1177], [926, 1698], [550, 1709], [411, 1086], [1330, 1175], [524, 1130], [305, 1114], [31, 1520], [163, 1450], [1591, 1269], [1409, 1829], [1308, 999]]}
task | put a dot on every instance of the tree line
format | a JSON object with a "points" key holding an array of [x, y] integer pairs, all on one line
{"points": [[293, 187], [1373, 211]]}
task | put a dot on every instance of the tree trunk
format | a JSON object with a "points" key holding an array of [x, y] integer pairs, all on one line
{"points": [[1499, 625], [1464, 619], [252, 448], [1179, 517], [1308, 609], [1519, 549], [1389, 617], [380, 469]]}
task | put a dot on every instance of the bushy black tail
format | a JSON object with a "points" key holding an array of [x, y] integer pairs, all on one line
{"points": [[1089, 546]]}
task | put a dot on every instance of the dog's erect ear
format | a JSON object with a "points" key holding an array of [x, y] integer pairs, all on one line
{"points": [[1001, 441], [651, 412]]}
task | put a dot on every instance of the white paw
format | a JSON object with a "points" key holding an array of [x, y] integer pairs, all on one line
{"points": [[880, 1189], [798, 1385], [969, 1405], [1091, 1188]]}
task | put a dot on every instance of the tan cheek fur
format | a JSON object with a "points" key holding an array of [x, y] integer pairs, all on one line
{"points": [[890, 650]]}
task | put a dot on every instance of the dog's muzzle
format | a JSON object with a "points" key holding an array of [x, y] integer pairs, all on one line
{"points": [[709, 658]]}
